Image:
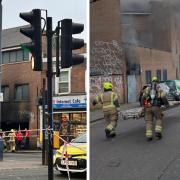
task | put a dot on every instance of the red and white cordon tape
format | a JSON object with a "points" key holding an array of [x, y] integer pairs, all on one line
{"points": [[50, 131]]}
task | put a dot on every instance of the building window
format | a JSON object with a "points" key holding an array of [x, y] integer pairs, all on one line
{"points": [[164, 74], [63, 82], [5, 57], [148, 76], [158, 72], [22, 92], [15, 56], [12, 56], [5, 91], [19, 55], [25, 55]]}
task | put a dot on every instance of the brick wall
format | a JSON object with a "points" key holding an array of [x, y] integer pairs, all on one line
{"points": [[20, 112], [153, 60], [106, 57], [78, 78]]}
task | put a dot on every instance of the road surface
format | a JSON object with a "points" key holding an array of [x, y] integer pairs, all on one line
{"points": [[130, 157]]}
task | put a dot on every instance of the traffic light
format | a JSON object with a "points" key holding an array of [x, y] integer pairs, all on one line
{"points": [[68, 43], [35, 34]]}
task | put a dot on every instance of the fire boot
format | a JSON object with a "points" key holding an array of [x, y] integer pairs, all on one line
{"points": [[107, 131], [149, 139], [158, 135], [112, 134]]}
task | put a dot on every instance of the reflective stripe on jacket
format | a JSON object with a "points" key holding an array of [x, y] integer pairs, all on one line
{"points": [[107, 99]]}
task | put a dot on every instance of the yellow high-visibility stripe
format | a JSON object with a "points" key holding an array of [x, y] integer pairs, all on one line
{"points": [[112, 99], [158, 128], [110, 127], [149, 133], [108, 106]]}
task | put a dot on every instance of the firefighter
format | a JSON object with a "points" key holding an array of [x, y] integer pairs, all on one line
{"points": [[4, 141], [153, 99], [110, 103], [12, 140]]}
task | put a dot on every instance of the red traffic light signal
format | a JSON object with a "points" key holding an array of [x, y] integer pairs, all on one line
{"points": [[35, 34]]}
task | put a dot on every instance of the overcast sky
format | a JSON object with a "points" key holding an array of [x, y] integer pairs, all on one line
{"points": [[57, 9]]}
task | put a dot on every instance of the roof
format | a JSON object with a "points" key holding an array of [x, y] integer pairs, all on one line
{"points": [[12, 37]]}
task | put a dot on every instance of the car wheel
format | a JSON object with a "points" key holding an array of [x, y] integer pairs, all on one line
{"points": [[178, 98]]}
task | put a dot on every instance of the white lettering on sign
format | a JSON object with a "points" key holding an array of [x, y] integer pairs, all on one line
{"points": [[69, 99]]}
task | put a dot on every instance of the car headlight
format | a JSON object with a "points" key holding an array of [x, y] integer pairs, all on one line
{"points": [[58, 153]]}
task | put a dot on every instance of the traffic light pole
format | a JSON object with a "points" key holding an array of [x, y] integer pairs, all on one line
{"points": [[49, 83], [57, 50], [43, 107], [0, 53]]}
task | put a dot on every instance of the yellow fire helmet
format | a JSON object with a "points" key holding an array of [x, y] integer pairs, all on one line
{"points": [[154, 79], [107, 86], [12, 130]]}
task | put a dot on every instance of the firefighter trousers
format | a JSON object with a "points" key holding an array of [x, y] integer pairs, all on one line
{"points": [[111, 117], [150, 113]]}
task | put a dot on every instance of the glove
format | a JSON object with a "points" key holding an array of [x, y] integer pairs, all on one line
{"points": [[94, 102]]}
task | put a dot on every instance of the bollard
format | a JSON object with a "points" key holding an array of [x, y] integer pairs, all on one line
{"points": [[1, 149]]}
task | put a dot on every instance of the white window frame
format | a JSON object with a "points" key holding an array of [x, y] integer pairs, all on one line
{"points": [[69, 82]]}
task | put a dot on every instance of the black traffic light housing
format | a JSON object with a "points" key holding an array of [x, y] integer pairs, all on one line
{"points": [[35, 34], [68, 43]]}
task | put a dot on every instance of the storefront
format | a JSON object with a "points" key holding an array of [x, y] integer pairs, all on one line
{"points": [[69, 115]]}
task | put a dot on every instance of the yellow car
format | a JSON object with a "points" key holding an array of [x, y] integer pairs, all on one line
{"points": [[74, 157]]}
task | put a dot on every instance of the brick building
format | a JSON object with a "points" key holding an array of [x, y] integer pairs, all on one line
{"points": [[150, 64], [150, 40], [106, 57], [22, 86], [148, 33]]}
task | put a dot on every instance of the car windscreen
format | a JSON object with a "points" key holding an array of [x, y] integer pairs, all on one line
{"points": [[80, 139], [178, 84], [171, 85]]}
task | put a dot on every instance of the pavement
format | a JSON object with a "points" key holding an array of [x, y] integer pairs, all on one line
{"points": [[25, 151], [28, 166], [97, 115], [33, 160]]}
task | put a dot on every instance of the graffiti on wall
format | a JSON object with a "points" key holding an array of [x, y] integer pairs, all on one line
{"points": [[106, 58], [118, 83], [97, 84]]}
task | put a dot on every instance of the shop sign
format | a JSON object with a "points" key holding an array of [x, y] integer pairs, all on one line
{"points": [[63, 102]]}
